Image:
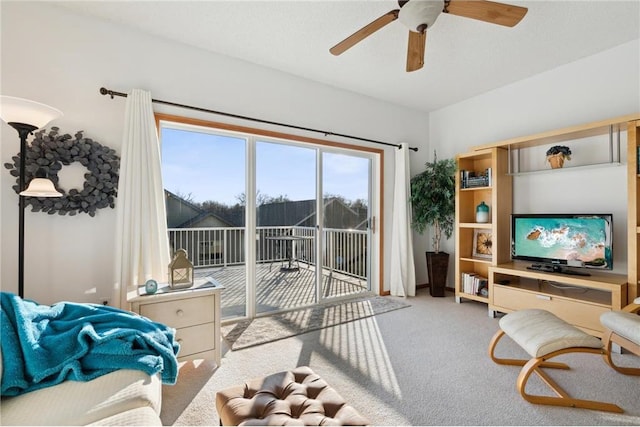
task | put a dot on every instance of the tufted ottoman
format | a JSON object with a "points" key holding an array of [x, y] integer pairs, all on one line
{"points": [[297, 397]]}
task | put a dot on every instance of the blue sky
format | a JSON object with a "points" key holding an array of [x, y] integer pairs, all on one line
{"points": [[212, 167]]}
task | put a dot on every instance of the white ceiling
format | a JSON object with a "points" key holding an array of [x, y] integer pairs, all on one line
{"points": [[464, 57]]}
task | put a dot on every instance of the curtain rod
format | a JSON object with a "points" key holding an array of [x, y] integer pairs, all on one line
{"points": [[113, 93]]}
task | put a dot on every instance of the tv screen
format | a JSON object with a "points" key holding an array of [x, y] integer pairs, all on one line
{"points": [[575, 240]]}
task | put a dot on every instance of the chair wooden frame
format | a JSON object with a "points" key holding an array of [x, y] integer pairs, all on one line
{"points": [[610, 337], [535, 364]]}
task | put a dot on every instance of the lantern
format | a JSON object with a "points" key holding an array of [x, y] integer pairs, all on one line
{"points": [[180, 271]]}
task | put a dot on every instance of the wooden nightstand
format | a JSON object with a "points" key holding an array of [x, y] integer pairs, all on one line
{"points": [[194, 313]]}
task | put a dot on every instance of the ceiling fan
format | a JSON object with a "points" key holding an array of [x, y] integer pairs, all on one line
{"points": [[418, 15]]}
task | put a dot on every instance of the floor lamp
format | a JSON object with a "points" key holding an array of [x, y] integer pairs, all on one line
{"points": [[25, 116]]}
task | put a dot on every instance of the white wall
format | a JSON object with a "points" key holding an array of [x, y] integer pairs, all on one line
{"points": [[594, 88], [53, 56], [61, 59]]}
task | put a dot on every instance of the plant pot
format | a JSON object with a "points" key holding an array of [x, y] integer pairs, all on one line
{"points": [[437, 267], [556, 161]]}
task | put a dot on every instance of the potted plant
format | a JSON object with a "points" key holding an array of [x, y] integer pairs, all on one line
{"points": [[557, 154], [433, 202]]}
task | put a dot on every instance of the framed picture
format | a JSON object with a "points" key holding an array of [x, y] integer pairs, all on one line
{"points": [[482, 243]]}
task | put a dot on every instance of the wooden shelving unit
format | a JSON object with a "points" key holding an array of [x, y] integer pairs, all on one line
{"points": [[467, 199], [499, 196], [570, 133], [633, 218]]}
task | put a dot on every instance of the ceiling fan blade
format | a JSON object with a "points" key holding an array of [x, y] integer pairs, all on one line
{"points": [[488, 11], [364, 32], [415, 52]]}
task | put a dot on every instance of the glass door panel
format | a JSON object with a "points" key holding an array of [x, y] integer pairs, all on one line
{"points": [[204, 178], [307, 208], [285, 226], [346, 232]]}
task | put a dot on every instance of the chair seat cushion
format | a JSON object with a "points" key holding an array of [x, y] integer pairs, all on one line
{"points": [[540, 332], [627, 325]]}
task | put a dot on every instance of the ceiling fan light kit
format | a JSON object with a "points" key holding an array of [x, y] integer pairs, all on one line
{"points": [[419, 15]]}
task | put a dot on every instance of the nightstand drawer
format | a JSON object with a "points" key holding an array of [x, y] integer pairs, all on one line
{"points": [[181, 312], [196, 339]]}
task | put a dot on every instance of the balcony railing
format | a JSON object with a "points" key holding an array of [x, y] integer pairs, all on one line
{"points": [[343, 251]]}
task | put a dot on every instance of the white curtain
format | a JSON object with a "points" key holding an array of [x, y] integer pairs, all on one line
{"points": [[403, 275], [142, 241]]}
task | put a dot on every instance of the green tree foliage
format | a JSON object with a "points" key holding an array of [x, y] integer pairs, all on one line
{"points": [[433, 199]]}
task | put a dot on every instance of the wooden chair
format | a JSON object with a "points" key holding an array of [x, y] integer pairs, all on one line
{"points": [[622, 328]]}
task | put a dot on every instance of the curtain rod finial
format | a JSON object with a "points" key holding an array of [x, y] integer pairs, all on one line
{"points": [[105, 91], [410, 148]]}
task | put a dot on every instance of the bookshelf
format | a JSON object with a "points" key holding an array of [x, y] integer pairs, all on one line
{"points": [[633, 215], [480, 245]]}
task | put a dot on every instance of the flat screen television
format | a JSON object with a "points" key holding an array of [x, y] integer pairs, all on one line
{"points": [[555, 241]]}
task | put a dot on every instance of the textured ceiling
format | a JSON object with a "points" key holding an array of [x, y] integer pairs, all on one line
{"points": [[464, 57]]}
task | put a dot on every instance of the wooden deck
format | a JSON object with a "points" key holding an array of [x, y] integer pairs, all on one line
{"points": [[278, 290]]}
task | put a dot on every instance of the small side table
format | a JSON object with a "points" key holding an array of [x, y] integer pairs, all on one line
{"points": [[194, 312], [290, 250]]}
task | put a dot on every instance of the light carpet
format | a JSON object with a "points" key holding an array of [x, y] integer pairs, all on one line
{"points": [[249, 333], [423, 365]]}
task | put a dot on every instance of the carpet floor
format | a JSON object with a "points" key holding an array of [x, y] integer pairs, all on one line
{"points": [[426, 364], [248, 333]]}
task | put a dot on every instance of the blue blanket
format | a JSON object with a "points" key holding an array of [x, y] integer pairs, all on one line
{"points": [[46, 345]]}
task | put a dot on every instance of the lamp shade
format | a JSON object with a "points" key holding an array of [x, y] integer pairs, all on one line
{"points": [[41, 187], [19, 110]]}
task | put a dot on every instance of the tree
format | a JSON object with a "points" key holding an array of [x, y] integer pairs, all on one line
{"points": [[262, 199], [433, 199], [359, 204], [186, 197]]}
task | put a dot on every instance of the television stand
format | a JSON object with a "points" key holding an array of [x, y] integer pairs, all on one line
{"points": [[549, 268], [578, 300]]}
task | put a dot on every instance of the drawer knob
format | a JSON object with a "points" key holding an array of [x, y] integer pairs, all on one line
{"points": [[179, 313]]}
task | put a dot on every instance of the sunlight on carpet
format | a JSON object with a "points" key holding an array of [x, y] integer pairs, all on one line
{"points": [[248, 333]]}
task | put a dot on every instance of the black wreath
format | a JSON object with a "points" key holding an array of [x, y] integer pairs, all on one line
{"points": [[50, 152]]}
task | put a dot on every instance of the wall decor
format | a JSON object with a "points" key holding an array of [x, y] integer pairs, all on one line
{"points": [[482, 243], [50, 152]]}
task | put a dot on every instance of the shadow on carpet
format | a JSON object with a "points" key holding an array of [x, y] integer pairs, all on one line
{"points": [[249, 333]]}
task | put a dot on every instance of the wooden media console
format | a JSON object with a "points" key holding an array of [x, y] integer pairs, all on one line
{"points": [[578, 300]]}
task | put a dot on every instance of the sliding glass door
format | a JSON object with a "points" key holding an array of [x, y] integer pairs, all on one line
{"points": [[280, 224], [346, 222], [204, 176], [285, 226]]}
